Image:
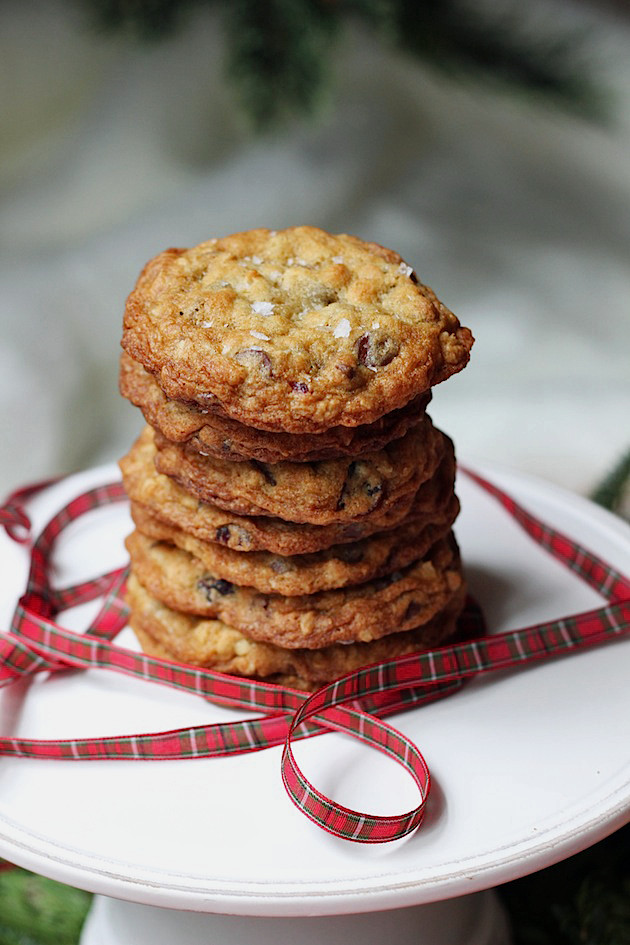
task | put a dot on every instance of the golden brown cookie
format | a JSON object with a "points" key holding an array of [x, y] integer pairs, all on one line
{"points": [[164, 498], [217, 435], [338, 566], [296, 330], [167, 634], [397, 601], [322, 493]]}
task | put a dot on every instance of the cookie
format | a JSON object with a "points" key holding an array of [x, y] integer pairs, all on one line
{"points": [[167, 634], [397, 601], [296, 330], [217, 435], [321, 493], [338, 566], [163, 497]]}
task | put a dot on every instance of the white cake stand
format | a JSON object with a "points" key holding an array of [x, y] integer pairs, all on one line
{"points": [[528, 767]]}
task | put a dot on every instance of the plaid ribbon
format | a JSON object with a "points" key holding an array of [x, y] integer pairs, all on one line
{"points": [[355, 704]]}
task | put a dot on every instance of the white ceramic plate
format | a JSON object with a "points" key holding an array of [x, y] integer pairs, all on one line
{"points": [[528, 767]]}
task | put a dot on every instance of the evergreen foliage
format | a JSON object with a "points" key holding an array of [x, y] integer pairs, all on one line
{"points": [[279, 54]]}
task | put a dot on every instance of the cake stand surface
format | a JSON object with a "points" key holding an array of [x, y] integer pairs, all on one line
{"points": [[528, 766]]}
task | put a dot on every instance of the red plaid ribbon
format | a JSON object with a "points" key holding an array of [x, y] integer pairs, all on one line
{"points": [[355, 704]]}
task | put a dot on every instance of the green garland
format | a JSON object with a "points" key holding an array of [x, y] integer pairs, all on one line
{"points": [[279, 54]]}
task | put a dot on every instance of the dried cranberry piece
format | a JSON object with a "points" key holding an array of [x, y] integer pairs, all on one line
{"points": [[299, 386]]}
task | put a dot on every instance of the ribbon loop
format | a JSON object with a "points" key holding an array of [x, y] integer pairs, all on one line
{"points": [[355, 704]]}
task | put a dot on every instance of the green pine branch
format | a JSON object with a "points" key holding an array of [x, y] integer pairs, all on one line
{"points": [[280, 54], [277, 57], [614, 490]]}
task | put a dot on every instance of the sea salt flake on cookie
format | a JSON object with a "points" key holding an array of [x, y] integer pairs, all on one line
{"points": [[343, 329], [263, 308]]}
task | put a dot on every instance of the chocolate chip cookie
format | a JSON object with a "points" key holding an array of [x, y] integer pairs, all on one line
{"points": [[171, 635], [164, 498], [338, 566], [320, 493], [296, 330], [400, 600], [215, 434]]}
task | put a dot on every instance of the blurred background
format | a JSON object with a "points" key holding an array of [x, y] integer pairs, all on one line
{"points": [[488, 144]]}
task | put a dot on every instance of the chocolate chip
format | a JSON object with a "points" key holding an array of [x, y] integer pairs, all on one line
{"points": [[383, 582], [233, 535], [255, 359], [346, 369], [266, 472], [209, 585], [280, 565], [413, 608], [361, 477], [353, 531], [351, 554], [375, 349]]}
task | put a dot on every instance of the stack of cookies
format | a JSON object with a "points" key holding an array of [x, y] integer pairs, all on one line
{"points": [[293, 503]]}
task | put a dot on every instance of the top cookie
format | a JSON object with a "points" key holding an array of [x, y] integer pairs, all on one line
{"points": [[295, 330]]}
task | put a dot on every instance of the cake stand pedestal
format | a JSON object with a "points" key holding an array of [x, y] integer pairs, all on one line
{"points": [[528, 767], [469, 920]]}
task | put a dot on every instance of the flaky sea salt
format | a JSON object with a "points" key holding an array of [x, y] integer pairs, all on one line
{"points": [[376, 324], [337, 259], [343, 329], [256, 260], [405, 269], [259, 334], [263, 308], [206, 324]]}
